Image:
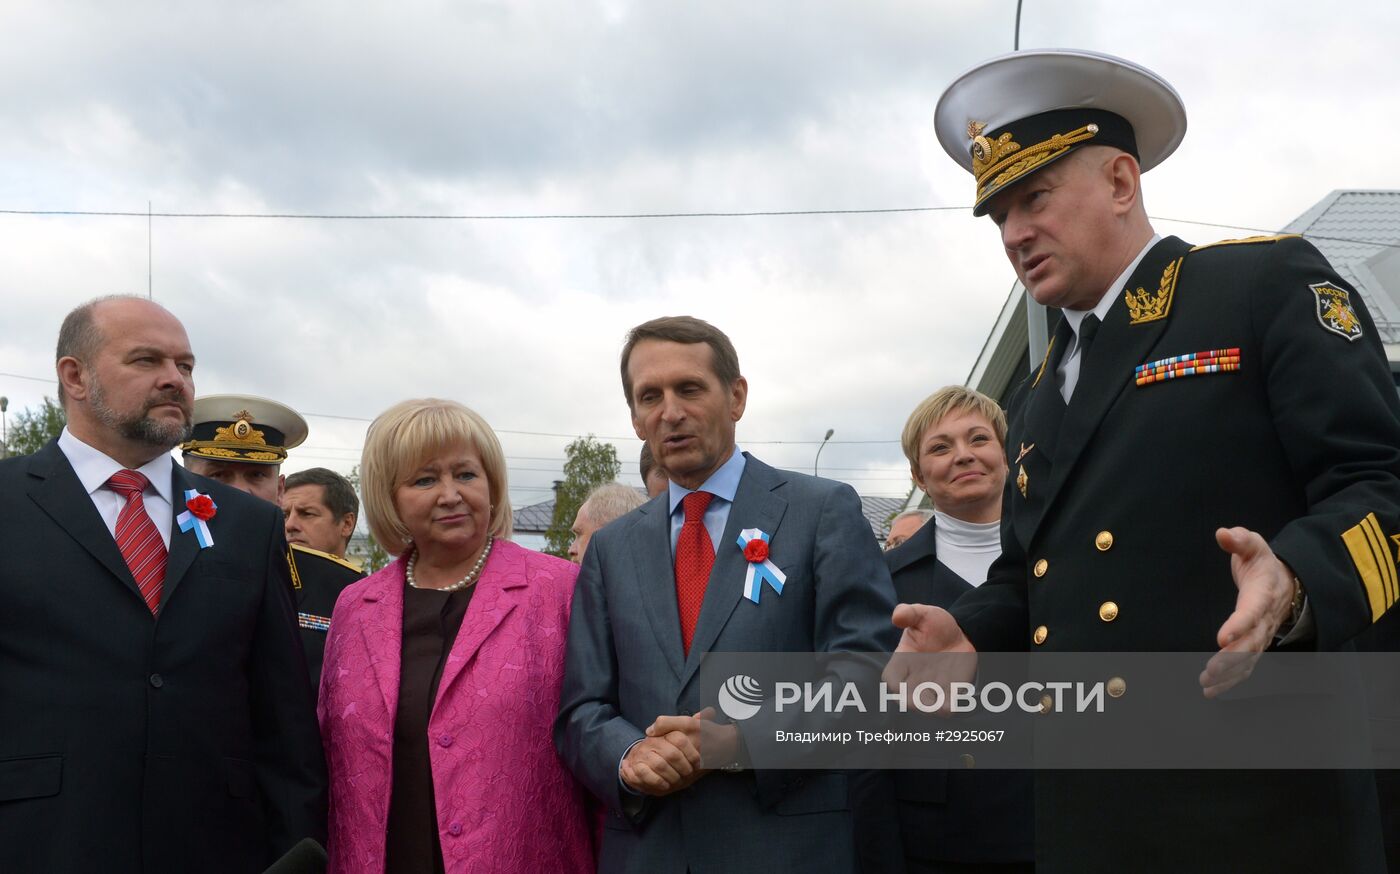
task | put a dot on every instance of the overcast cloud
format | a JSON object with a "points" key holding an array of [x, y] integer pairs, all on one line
{"points": [[841, 322]]}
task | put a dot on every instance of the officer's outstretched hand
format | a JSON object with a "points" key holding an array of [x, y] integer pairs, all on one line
{"points": [[933, 649], [1265, 594]]}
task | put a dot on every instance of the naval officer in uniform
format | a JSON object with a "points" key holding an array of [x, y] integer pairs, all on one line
{"points": [[1208, 459], [242, 440]]}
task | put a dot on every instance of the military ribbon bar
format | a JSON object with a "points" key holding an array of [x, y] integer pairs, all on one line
{"points": [[754, 543], [1193, 364], [312, 622], [190, 522]]}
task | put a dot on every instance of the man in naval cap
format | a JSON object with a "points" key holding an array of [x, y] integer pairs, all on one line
{"points": [[1207, 460], [241, 441]]}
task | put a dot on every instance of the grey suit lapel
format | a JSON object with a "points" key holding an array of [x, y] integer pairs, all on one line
{"points": [[755, 506], [650, 544], [61, 495]]}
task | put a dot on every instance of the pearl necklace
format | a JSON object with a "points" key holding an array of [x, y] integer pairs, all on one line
{"points": [[461, 584]]}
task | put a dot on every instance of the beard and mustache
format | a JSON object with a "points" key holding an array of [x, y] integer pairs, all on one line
{"points": [[138, 426]]}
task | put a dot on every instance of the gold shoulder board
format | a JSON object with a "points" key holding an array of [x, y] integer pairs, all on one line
{"points": [[1267, 238], [326, 555]]}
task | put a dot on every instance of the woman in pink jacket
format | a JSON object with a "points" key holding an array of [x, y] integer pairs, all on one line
{"points": [[442, 670]]}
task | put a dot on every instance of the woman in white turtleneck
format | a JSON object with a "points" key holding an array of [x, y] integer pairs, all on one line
{"points": [[959, 821], [954, 443]]}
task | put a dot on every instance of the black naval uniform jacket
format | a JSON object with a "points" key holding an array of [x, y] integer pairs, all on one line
{"points": [[131, 743], [914, 819], [318, 578], [1108, 534]]}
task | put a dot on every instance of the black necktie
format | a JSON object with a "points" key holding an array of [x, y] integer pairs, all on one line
{"points": [[1087, 330]]}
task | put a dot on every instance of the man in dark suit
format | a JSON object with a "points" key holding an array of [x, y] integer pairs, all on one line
{"points": [[241, 441], [151, 722], [663, 585], [1208, 459], [320, 508]]}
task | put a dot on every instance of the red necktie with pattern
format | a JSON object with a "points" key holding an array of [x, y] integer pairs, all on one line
{"points": [[695, 555], [137, 537]]}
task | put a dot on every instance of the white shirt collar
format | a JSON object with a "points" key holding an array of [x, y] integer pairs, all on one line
{"points": [[1115, 290], [95, 467]]}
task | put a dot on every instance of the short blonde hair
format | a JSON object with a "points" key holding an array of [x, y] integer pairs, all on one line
{"points": [[937, 406], [401, 439]]}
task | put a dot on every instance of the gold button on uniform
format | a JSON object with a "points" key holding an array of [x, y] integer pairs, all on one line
{"points": [[1108, 611], [1046, 703], [1041, 567], [1116, 687], [1041, 632], [968, 761], [1104, 541]]}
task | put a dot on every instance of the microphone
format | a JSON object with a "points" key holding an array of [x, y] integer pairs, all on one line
{"points": [[307, 857]]}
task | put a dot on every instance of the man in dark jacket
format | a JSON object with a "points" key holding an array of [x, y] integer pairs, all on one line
{"points": [[157, 716], [1208, 459]]}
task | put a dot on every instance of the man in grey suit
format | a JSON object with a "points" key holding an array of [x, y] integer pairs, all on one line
{"points": [[662, 586]]}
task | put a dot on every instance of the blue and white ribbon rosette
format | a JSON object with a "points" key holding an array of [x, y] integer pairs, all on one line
{"points": [[189, 521], [760, 571]]}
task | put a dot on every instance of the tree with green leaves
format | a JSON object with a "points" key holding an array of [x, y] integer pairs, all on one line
{"points": [[376, 556], [588, 463], [31, 429]]}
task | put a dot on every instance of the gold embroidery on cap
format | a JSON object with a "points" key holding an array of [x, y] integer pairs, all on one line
{"points": [[1008, 161], [240, 431], [986, 152]]}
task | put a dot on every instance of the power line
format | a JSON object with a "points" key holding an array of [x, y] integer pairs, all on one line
{"points": [[1330, 239], [30, 378], [629, 438], [108, 213], [308, 216]]}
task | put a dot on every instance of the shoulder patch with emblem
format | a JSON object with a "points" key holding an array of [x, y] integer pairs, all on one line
{"points": [[1334, 310]]}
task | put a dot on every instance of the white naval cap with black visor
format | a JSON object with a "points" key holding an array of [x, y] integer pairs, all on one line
{"points": [[243, 428], [1010, 116]]}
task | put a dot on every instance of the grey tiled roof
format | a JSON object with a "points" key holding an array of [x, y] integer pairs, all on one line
{"points": [[535, 518], [878, 512], [1357, 231]]}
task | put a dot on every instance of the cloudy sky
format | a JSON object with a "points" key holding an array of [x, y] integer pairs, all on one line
{"points": [[548, 107]]}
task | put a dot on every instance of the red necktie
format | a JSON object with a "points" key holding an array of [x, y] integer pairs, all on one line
{"points": [[695, 555], [137, 537]]}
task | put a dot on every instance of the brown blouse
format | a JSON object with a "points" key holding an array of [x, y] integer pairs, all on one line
{"points": [[431, 620]]}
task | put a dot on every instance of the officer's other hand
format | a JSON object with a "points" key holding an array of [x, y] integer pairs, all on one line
{"points": [[932, 649], [1265, 587]]}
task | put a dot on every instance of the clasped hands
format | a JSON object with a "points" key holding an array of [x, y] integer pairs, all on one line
{"points": [[677, 751], [1264, 583]]}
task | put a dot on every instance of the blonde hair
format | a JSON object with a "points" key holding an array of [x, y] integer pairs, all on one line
{"points": [[937, 406], [402, 438]]}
